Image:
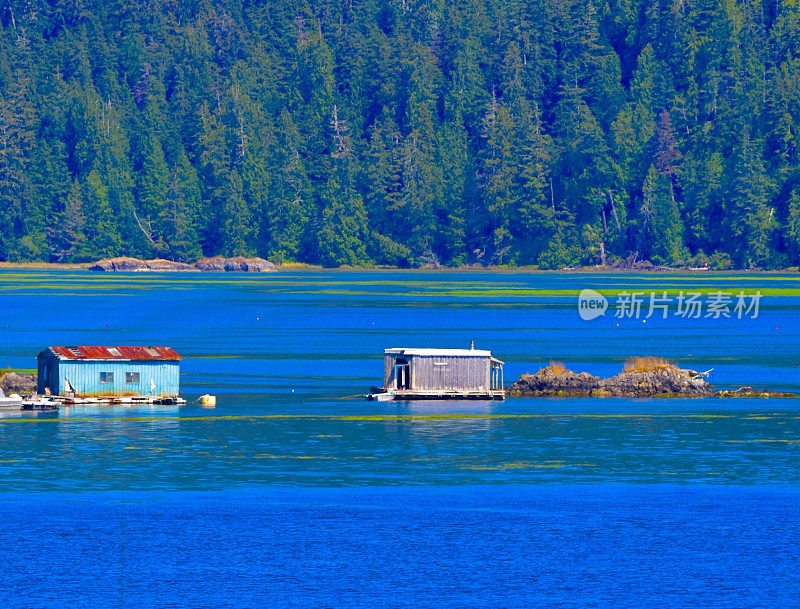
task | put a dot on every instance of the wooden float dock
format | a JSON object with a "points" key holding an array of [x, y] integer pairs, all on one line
{"points": [[384, 396], [124, 400], [50, 403]]}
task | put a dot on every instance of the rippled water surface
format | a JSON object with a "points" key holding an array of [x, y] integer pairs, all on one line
{"points": [[295, 491]]}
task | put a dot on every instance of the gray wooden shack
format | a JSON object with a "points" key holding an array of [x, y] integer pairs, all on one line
{"points": [[443, 373]]}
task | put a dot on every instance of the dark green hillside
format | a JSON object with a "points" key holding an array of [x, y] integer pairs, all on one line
{"points": [[401, 132]]}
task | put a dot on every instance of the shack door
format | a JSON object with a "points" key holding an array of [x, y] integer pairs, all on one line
{"points": [[402, 376]]}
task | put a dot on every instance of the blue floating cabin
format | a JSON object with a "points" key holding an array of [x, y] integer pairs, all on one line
{"points": [[92, 371], [441, 374]]}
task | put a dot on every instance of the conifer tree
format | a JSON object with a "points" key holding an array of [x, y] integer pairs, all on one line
{"points": [[793, 227], [239, 232], [215, 178], [154, 183], [498, 172], [661, 230], [289, 207], [17, 138], [752, 218], [343, 230], [126, 122], [102, 239], [67, 233]]}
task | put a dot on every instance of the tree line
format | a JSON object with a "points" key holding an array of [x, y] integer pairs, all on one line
{"points": [[402, 132]]}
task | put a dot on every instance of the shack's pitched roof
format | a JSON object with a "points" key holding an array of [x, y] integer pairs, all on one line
{"points": [[85, 352], [438, 352]]}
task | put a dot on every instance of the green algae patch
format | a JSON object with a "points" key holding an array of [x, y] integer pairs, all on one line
{"points": [[519, 465], [296, 457], [377, 418]]}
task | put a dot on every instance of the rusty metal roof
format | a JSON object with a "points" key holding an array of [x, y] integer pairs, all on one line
{"points": [[85, 352]]}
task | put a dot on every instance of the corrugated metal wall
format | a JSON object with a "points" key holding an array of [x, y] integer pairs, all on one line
{"points": [[442, 373], [85, 377]]}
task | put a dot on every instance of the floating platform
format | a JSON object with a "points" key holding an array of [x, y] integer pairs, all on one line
{"points": [[124, 400], [50, 403], [402, 396]]}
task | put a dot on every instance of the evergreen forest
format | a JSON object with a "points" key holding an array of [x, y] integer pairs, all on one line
{"points": [[554, 133]]}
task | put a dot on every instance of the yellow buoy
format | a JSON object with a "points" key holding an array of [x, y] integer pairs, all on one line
{"points": [[208, 400]]}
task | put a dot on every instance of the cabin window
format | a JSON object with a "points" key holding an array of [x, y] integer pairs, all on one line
{"points": [[106, 377], [131, 377]]}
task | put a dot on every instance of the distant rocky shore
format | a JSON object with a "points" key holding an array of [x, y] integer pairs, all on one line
{"points": [[135, 265], [641, 378]]}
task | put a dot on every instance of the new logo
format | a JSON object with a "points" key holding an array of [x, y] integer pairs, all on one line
{"points": [[591, 304]]}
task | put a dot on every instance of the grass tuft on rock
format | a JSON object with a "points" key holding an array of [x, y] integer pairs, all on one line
{"points": [[557, 368], [647, 364]]}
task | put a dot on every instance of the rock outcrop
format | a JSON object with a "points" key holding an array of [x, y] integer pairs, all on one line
{"points": [[161, 265], [125, 264], [749, 392], [253, 265], [661, 381], [121, 264], [23, 384], [211, 264], [668, 381], [237, 264], [555, 381]]}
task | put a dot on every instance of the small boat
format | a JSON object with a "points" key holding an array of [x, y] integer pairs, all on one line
{"points": [[12, 401], [168, 401], [381, 396], [41, 403]]}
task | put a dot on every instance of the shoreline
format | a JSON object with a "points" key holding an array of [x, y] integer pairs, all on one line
{"points": [[305, 267]]}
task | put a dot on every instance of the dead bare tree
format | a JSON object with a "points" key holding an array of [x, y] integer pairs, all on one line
{"points": [[614, 211], [339, 132], [148, 231], [429, 257]]}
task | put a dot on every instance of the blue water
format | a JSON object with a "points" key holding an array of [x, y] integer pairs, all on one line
{"points": [[296, 492]]}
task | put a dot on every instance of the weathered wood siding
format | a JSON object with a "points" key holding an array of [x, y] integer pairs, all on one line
{"points": [[388, 371], [449, 373], [442, 373]]}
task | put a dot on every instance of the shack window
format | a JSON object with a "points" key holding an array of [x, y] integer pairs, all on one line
{"points": [[131, 377], [106, 377]]}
